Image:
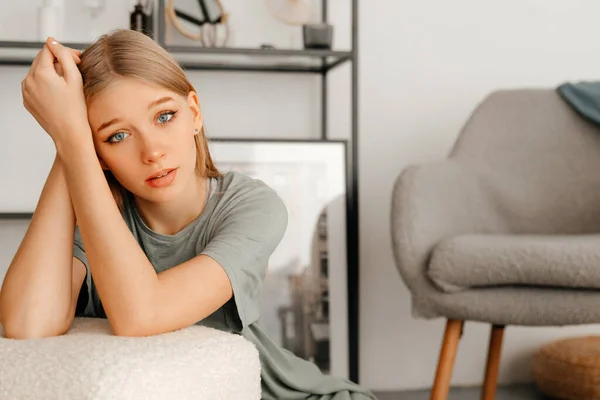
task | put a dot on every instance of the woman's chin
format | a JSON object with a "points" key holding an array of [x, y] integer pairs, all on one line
{"points": [[164, 189], [160, 196]]}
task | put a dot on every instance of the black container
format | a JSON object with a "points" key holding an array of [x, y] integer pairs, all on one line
{"points": [[140, 21], [317, 36]]}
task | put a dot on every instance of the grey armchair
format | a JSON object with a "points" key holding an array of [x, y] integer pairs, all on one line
{"points": [[506, 229]]}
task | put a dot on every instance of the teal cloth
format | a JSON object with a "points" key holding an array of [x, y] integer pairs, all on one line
{"points": [[241, 224], [583, 97]]}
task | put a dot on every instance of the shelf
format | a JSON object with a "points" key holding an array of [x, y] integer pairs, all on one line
{"points": [[15, 216], [211, 59]]}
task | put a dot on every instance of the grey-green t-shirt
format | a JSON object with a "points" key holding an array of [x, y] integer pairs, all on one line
{"points": [[241, 224]]}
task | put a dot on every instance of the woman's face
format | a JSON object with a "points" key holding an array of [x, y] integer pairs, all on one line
{"points": [[142, 132]]}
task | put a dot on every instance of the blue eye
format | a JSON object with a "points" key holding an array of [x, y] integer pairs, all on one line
{"points": [[165, 117], [118, 137]]}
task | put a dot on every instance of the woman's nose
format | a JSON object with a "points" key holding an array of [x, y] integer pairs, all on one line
{"points": [[152, 151]]}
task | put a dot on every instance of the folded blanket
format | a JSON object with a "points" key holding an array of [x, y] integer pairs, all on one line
{"points": [[584, 97], [89, 363]]}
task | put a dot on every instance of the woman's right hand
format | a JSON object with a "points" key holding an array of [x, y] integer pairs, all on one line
{"points": [[53, 91]]}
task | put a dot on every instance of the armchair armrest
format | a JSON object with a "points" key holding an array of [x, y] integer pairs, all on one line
{"points": [[429, 203]]}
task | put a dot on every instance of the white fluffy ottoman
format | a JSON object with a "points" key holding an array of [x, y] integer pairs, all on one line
{"points": [[89, 363]]}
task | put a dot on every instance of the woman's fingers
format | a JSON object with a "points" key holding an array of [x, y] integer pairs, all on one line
{"points": [[46, 55], [58, 67], [76, 55], [64, 56], [44, 59], [36, 60]]}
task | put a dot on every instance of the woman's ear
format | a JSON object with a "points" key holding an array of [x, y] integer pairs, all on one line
{"points": [[194, 104]]}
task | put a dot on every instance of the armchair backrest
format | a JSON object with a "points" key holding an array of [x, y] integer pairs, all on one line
{"points": [[537, 160]]}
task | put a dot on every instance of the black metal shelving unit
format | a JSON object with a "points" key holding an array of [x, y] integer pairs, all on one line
{"points": [[302, 61]]}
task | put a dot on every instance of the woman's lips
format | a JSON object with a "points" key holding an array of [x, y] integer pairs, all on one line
{"points": [[163, 181], [159, 173]]}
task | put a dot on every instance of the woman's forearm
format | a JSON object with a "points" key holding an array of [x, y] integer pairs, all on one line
{"points": [[125, 279], [35, 299]]}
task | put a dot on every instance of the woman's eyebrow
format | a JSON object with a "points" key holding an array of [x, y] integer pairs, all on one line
{"points": [[159, 101], [109, 123]]}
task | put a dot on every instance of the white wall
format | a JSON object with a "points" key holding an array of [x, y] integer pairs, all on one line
{"points": [[423, 67]]}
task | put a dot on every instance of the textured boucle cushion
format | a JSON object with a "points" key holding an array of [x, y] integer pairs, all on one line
{"points": [[89, 363], [470, 261], [569, 368]]}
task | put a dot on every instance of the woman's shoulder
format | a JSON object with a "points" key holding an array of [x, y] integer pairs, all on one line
{"points": [[248, 207], [234, 184], [238, 190]]}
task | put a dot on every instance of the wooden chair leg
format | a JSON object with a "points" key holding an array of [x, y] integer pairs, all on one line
{"points": [[493, 363], [443, 375]]}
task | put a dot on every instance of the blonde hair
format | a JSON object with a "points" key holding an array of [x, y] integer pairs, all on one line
{"points": [[127, 53]]}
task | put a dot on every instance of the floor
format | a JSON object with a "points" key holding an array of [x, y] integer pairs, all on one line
{"points": [[522, 392]]}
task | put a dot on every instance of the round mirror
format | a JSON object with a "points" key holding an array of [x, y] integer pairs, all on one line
{"points": [[204, 21]]}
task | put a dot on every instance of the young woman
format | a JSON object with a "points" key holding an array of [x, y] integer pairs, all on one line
{"points": [[135, 224]]}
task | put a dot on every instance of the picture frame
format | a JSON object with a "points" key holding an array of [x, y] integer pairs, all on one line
{"points": [[304, 306]]}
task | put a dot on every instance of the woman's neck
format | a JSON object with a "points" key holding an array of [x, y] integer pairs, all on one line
{"points": [[170, 218]]}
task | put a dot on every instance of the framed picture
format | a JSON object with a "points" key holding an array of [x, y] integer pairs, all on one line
{"points": [[304, 299]]}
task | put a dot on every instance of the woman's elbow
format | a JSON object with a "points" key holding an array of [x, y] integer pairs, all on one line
{"points": [[22, 330], [132, 330], [24, 334], [148, 326], [130, 327]]}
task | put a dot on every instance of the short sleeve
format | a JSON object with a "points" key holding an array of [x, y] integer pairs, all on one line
{"points": [[85, 306], [250, 226]]}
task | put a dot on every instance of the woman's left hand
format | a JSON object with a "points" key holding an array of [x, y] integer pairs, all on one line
{"points": [[53, 93]]}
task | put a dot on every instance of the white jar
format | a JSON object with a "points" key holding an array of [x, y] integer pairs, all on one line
{"points": [[50, 20]]}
